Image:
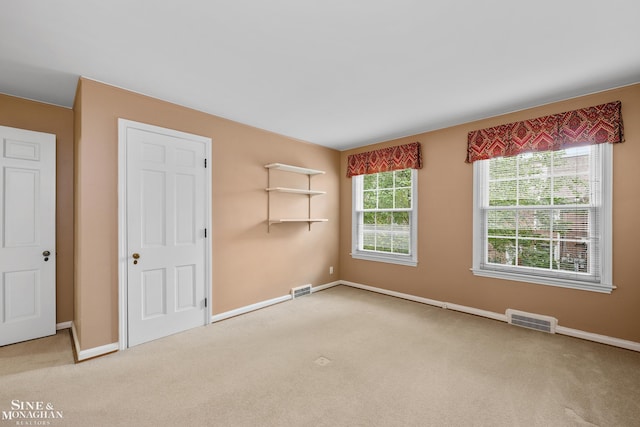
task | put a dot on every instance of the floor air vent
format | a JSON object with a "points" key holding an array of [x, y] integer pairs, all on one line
{"points": [[532, 321], [300, 291]]}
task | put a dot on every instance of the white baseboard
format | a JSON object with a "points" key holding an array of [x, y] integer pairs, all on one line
{"points": [[63, 325], [91, 352], [602, 339], [267, 303], [576, 333], [476, 311], [325, 286], [394, 294], [249, 308]]}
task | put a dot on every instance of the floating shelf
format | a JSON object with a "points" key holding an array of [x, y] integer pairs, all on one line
{"points": [[296, 191], [294, 169]]}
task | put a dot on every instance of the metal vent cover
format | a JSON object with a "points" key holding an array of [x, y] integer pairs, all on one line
{"points": [[537, 322], [300, 291]]}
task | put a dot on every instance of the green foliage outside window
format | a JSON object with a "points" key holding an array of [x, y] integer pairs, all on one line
{"points": [[542, 235], [386, 201]]}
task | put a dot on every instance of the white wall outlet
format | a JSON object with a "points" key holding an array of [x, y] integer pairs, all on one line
{"points": [[331, 270]]}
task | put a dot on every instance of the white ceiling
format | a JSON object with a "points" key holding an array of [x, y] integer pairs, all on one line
{"points": [[339, 73]]}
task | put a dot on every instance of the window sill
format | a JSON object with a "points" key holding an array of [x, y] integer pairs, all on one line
{"points": [[391, 259], [549, 281]]}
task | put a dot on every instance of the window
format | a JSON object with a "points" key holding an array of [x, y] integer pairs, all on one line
{"points": [[385, 217], [545, 217]]}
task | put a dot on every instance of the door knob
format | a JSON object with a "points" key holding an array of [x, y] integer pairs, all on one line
{"points": [[46, 254], [135, 257]]}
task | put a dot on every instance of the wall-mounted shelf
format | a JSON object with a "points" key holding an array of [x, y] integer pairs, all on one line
{"points": [[309, 220], [297, 191], [294, 169], [303, 191]]}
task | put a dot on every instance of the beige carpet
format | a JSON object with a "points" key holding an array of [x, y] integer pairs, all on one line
{"points": [[344, 357], [42, 353]]}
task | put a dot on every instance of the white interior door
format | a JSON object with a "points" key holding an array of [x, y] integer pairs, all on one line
{"points": [[166, 233], [27, 235]]}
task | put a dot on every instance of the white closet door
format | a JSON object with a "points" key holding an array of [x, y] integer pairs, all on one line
{"points": [[27, 235], [166, 220]]}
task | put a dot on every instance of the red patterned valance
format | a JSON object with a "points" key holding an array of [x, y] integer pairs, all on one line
{"points": [[385, 160], [593, 125]]}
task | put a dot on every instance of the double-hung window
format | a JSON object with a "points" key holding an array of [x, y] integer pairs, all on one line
{"points": [[385, 217], [545, 217]]}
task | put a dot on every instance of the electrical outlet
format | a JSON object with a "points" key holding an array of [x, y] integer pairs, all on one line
{"points": [[331, 270]]}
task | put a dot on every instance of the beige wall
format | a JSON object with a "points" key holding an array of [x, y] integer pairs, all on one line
{"points": [[24, 114], [249, 264], [445, 232]]}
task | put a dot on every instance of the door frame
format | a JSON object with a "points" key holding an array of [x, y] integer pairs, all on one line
{"points": [[123, 255]]}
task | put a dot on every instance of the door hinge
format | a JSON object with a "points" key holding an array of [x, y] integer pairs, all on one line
{"points": [[205, 163], [205, 303], [205, 233]]}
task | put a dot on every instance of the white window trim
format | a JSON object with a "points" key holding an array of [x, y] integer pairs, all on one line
{"points": [[401, 259], [606, 241]]}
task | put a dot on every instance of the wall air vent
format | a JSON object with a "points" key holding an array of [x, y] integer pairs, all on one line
{"points": [[300, 291], [532, 321]]}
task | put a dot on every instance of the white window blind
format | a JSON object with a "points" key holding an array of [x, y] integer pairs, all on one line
{"points": [[545, 215]]}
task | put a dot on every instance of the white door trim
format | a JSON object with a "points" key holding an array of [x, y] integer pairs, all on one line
{"points": [[123, 256]]}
